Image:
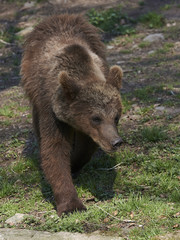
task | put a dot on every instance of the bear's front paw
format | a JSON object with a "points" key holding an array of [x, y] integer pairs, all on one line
{"points": [[70, 206]]}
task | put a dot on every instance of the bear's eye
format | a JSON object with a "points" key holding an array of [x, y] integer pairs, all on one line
{"points": [[116, 120], [96, 119]]}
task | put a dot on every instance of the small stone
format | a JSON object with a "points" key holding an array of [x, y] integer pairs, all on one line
{"points": [[156, 37], [120, 62], [151, 52], [24, 31], [160, 108], [135, 46], [2, 237], [28, 5], [110, 47], [177, 45], [16, 219]]}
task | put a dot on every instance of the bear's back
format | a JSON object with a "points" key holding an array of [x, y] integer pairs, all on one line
{"points": [[40, 65], [65, 27]]}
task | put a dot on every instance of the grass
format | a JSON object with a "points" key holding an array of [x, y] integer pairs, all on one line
{"points": [[165, 49], [144, 44], [9, 35], [111, 21], [148, 93], [153, 134], [152, 20], [142, 188]]}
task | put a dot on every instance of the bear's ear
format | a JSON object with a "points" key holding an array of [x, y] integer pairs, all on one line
{"points": [[69, 87], [115, 77]]}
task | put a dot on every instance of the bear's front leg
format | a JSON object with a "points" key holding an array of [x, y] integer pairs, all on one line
{"points": [[55, 155]]}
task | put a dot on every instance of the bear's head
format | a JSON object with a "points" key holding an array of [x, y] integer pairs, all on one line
{"points": [[93, 108]]}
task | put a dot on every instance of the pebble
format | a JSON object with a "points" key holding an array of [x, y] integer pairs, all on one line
{"points": [[160, 108], [156, 37], [28, 5], [151, 52], [16, 219], [110, 47], [171, 24]]}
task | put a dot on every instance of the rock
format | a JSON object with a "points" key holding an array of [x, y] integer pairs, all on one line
{"points": [[156, 37], [151, 52], [120, 62], [135, 46], [110, 47], [16, 219], [177, 46], [169, 236], [160, 108], [21, 234], [1, 237], [24, 31], [58, 1], [171, 24], [28, 5]]}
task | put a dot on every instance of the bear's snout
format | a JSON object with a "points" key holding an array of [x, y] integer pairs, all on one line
{"points": [[117, 143]]}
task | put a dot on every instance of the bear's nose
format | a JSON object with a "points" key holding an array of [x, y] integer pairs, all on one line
{"points": [[117, 143]]}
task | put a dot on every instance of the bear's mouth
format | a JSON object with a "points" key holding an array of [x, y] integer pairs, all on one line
{"points": [[107, 148]]}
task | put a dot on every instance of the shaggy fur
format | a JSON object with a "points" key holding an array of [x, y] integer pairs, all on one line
{"points": [[75, 98]]}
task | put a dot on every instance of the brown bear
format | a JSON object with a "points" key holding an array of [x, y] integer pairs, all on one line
{"points": [[75, 99]]}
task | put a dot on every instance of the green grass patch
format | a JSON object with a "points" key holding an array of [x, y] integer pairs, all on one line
{"points": [[144, 44], [127, 103], [7, 111], [166, 7], [152, 20], [141, 3], [9, 35], [126, 185], [153, 134], [111, 21], [148, 93], [165, 49], [12, 110]]}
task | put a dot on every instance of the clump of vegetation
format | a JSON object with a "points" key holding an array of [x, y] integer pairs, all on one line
{"points": [[153, 134], [9, 34], [112, 21], [148, 93], [144, 44], [141, 3], [152, 20]]}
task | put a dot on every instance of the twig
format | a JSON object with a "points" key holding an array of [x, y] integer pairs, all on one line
{"points": [[109, 169], [125, 221], [6, 43]]}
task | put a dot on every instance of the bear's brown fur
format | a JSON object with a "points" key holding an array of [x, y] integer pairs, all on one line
{"points": [[75, 99]]}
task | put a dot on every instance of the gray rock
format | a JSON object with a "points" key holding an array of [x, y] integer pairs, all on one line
{"points": [[19, 234], [156, 37], [110, 47], [160, 108], [2, 237], [169, 236], [28, 5], [16, 219], [24, 31], [151, 52], [58, 1]]}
